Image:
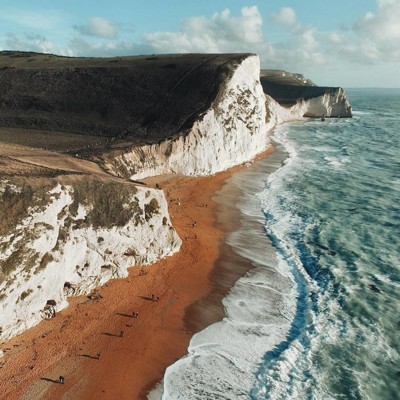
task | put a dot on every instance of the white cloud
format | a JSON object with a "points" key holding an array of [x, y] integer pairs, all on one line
{"points": [[98, 27], [374, 38], [79, 47], [336, 38], [286, 16], [46, 20], [384, 25], [30, 42], [385, 3], [222, 32], [301, 52]]}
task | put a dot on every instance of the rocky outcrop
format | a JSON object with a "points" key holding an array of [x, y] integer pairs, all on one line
{"points": [[333, 103], [72, 237]]}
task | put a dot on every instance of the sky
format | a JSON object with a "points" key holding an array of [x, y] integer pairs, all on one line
{"points": [[348, 43]]}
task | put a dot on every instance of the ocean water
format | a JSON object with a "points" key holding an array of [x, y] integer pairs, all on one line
{"points": [[318, 315], [333, 213]]}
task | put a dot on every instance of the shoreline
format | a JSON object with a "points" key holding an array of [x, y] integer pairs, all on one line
{"points": [[132, 364], [253, 317]]}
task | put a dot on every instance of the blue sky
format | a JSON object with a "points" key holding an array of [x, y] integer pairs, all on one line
{"points": [[349, 43]]}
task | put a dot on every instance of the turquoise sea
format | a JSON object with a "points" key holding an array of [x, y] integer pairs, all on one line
{"points": [[339, 195], [318, 315]]}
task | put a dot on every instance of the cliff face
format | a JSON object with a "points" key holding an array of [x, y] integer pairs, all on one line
{"points": [[233, 130], [235, 127], [71, 237]]}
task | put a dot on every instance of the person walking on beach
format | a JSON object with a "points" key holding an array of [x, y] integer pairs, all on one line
{"points": [[121, 334], [61, 379], [98, 356]]}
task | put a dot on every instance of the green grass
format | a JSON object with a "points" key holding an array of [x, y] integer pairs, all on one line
{"points": [[18, 197], [108, 204], [47, 258], [111, 204], [25, 294], [14, 206], [151, 208]]}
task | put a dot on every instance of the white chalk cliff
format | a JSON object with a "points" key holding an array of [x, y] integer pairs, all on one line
{"points": [[333, 103], [57, 255], [53, 253], [232, 131]]}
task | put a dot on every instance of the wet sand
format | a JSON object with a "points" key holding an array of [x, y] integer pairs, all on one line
{"points": [[134, 352]]}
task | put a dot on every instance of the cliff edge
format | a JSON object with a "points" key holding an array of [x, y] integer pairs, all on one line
{"points": [[231, 131]]}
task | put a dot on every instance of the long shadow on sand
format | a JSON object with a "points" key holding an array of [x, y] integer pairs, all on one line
{"points": [[89, 356], [111, 334], [125, 315], [148, 298], [50, 380]]}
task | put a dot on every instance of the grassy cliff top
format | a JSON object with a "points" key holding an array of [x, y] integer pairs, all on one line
{"points": [[137, 98]]}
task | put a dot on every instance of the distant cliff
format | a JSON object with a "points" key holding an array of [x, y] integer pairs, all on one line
{"points": [[290, 89]]}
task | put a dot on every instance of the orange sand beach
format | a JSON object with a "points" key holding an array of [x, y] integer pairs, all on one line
{"points": [[99, 346]]}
